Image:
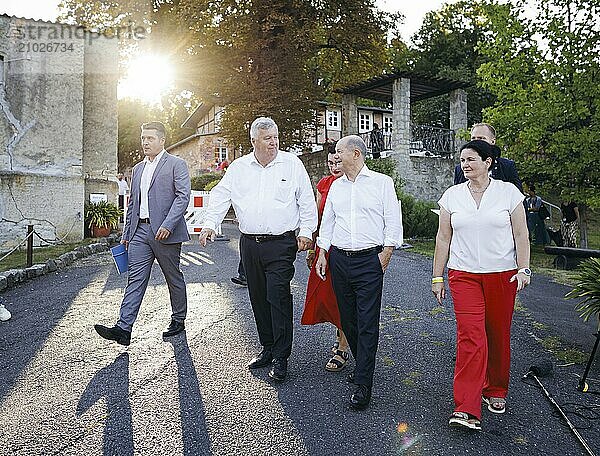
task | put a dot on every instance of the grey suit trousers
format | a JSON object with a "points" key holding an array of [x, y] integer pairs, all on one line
{"points": [[142, 251]]}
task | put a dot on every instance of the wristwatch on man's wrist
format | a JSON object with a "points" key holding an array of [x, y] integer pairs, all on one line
{"points": [[525, 271]]}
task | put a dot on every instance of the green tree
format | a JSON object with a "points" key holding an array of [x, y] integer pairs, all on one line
{"points": [[260, 57], [446, 45], [279, 58], [545, 73], [133, 113]]}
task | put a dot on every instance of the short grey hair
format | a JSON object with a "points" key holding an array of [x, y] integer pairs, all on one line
{"points": [[356, 142], [262, 123]]}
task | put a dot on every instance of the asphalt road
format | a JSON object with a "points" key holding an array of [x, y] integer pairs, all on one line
{"points": [[65, 391]]}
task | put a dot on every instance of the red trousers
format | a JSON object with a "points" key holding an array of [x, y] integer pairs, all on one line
{"points": [[483, 304]]}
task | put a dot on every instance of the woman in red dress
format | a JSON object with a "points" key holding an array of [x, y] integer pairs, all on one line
{"points": [[320, 305]]}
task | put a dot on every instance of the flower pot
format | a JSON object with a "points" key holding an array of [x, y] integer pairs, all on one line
{"points": [[100, 231]]}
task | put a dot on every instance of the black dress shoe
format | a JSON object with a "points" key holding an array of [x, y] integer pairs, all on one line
{"points": [[350, 377], [361, 397], [240, 280], [263, 359], [174, 328], [278, 369], [115, 333]]}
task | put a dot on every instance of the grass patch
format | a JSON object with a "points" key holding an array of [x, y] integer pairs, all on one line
{"points": [[541, 262], [388, 361], [18, 259], [437, 310], [569, 355], [423, 247]]}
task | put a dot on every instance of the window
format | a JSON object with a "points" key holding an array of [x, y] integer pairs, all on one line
{"points": [[333, 120], [220, 154], [387, 124], [365, 121]]}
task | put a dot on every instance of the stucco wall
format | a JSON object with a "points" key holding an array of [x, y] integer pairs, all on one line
{"points": [[51, 203], [58, 127], [100, 130]]}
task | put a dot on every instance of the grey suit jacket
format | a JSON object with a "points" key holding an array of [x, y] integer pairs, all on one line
{"points": [[168, 198]]}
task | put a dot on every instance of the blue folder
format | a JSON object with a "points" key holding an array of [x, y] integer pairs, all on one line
{"points": [[119, 254]]}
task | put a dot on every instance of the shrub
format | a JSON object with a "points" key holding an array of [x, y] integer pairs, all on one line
{"points": [[208, 187], [200, 182], [102, 214], [417, 219], [588, 289]]}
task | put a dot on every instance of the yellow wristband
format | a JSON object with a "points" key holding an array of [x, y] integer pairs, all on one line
{"points": [[310, 251], [437, 280]]}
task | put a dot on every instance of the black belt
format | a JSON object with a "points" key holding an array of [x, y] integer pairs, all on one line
{"points": [[358, 253], [269, 237], [144, 220]]}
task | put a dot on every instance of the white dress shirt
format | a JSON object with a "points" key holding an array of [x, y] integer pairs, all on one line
{"points": [[123, 187], [149, 168], [482, 238], [267, 200], [361, 214]]}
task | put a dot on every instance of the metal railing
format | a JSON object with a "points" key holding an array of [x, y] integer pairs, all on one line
{"points": [[385, 139], [426, 140], [431, 141]]}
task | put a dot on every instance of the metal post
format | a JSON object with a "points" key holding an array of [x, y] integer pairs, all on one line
{"points": [[29, 246]]}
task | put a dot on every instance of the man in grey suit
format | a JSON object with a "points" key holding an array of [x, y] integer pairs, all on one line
{"points": [[154, 229]]}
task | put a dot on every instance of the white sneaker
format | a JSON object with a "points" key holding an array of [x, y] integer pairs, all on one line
{"points": [[4, 314]]}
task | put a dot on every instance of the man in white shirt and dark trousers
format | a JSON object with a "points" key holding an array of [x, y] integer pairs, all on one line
{"points": [[272, 197], [361, 226], [123, 190]]}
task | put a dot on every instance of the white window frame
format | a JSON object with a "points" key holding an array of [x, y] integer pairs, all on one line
{"points": [[387, 124], [365, 121], [334, 120], [220, 153]]}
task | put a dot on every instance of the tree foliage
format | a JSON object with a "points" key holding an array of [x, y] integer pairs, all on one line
{"points": [[259, 57], [545, 74], [279, 58], [446, 46]]}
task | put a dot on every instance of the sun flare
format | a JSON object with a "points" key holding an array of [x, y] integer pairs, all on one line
{"points": [[148, 77]]}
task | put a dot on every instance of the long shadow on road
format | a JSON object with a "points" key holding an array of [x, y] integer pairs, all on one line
{"points": [[112, 383], [191, 408]]}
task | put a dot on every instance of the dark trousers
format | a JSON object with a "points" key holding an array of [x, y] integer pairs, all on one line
{"points": [[121, 205], [358, 283], [241, 272], [269, 268]]}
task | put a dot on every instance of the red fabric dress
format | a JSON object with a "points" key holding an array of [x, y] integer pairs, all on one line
{"points": [[320, 305]]}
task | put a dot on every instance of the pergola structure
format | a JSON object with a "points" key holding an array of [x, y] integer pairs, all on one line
{"points": [[400, 89]]}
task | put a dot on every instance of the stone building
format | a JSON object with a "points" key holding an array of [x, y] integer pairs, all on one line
{"points": [[206, 148], [58, 126], [425, 156]]}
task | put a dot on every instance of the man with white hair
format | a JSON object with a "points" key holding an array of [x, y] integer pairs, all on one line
{"points": [[361, 226], [272, 197]]}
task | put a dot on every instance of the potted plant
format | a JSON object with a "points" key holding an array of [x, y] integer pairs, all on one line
{"points": [[588, 288], [102, 217]]}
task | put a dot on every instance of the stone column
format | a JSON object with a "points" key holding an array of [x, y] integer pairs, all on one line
{"points": [[458, 115], [401, 116], [349, 115]]}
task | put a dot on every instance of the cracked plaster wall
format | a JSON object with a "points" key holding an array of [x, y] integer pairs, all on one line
{"points": [[50, 110]]}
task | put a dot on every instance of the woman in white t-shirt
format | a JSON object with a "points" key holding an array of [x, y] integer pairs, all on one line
{"points": [[483, 238]]}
